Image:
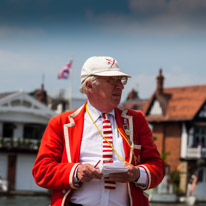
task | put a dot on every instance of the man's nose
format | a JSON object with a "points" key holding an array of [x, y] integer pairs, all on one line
{"points": [[119, 84]]}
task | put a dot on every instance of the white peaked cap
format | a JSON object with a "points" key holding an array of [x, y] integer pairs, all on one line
{"points": [[101, 66]]}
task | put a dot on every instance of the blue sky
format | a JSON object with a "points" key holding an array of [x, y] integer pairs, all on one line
{"points": [[37, 37]]}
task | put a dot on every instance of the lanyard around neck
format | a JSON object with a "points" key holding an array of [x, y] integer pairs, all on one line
{"points": [[109, 142]]}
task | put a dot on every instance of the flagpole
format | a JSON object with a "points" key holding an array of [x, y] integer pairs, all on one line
{"points": [[70, 87]]}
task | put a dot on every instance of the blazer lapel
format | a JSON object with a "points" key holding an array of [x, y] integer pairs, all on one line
{"points": [[121, 117], [73, 134]]}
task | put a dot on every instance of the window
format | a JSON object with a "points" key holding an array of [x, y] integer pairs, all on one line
{"points": [[200, 136], [156, 109], [135, 107], [8, 129], [33, 131], [200, 175]]}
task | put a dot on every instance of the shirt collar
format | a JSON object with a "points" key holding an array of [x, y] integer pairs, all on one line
{"points": [[95, 113]]}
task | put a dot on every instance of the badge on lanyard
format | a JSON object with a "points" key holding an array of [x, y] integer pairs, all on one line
{"points": [[127, 131], [126, 127]]}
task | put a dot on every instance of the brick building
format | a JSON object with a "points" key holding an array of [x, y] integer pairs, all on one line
{"points": [[178, 120]]}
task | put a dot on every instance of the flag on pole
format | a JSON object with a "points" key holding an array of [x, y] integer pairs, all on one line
{"points": [[64, 72]]}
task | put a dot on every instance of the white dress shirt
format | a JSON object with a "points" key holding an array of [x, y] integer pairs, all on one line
{"points": [[93, 193]]}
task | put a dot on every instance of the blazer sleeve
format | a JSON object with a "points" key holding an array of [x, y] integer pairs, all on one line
{"points": [[150, 157], [49, 170]]}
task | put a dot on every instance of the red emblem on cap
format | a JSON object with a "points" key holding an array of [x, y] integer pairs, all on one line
{"points": [[112, 62]]}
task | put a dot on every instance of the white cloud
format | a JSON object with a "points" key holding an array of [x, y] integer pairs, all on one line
{"points": [[187, 6], [173, 7], [159, 17], [141, 6], [174, 14], [156, 17], [19, 31]]}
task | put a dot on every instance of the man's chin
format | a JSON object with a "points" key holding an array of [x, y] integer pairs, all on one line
{"points": [[116, 100]]}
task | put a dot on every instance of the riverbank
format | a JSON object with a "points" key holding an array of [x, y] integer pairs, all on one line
{"points": [[25, 198], [25, 193], [21, 200]]}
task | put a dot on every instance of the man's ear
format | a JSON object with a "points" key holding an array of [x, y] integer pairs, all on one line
{"points": [[89, 85]]}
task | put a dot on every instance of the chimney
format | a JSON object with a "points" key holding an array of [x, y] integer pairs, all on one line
{"points": [[41, 94], [42, 87], [160, 82], [133, 95]]}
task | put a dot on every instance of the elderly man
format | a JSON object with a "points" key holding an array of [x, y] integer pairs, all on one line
{"points": [[78, 144]]}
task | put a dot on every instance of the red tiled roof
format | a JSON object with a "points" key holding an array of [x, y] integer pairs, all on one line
{"points": [[183, 105]]}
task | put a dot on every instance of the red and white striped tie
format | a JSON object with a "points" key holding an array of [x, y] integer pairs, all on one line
{"points": [[107, 149]]}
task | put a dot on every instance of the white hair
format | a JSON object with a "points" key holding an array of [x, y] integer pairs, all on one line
{"points": [[92, 79]]}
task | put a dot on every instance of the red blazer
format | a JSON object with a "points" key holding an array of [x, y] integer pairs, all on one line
{"points": [[59, 153]]}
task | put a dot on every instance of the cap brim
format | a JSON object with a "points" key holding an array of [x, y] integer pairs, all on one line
{"points": [[112, 73], [106, 73]]}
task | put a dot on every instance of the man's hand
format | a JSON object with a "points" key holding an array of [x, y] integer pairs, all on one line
{"points": [[131, 175], [87, 172]]}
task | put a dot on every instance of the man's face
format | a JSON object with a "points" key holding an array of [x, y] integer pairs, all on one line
{"points": [[108, 92]]}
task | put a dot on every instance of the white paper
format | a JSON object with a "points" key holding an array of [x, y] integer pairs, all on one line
{"points": [[115, 167]]}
